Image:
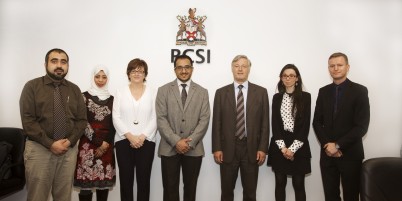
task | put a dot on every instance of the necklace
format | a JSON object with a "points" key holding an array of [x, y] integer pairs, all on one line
{"points": [[136, 109]]}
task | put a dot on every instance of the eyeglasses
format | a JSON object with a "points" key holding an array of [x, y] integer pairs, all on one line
{"points": [[186, 68], [137, 72], [291, 76]]}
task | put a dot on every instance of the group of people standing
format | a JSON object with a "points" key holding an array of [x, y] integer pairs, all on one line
{"points": [[56, 117]]}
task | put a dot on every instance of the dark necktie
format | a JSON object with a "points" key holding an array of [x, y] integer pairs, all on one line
{"points": [[240, 121], [59, 115], [336, 100], [183, 94]]}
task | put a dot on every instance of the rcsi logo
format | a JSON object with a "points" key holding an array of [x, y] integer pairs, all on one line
{"points": [[191, 32], [191, 29]]}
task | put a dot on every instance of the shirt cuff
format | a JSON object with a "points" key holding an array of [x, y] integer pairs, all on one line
{"points": [[296, 145], [280, 143]]}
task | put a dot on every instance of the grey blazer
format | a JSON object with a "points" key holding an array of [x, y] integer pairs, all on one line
{"points": [[175, 122]]}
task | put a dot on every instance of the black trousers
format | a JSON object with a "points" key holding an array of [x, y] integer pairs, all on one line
{"points": [[132, 160], [336, 170], [171, 165], [298, 186], [248, 174], [86, 195]]}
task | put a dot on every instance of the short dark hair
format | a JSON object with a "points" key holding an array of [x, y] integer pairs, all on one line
{"points": [[137, 64], [339, 54], [183, 56], [58, 50]]}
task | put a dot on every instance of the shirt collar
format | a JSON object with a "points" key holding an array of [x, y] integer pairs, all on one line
{"points": [[343, 84], [245, 85], [179, 82], [49, 80]]}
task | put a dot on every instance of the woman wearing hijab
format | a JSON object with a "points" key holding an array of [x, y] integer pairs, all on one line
{"points": [[95, 168]]}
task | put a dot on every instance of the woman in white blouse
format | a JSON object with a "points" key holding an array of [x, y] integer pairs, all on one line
{"points": [[289, 151], [135, 121]]}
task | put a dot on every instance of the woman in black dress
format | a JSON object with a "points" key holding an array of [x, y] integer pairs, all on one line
{"points": [[289, 151]]}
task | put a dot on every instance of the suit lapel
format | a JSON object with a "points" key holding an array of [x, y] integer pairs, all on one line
{"points": [[191, 92], [230, 93], [174, 88], [345, 96], [250, 97], [329, 96]]}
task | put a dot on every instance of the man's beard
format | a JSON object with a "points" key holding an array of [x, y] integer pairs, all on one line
{"points": [[184, 80], [189, 77], [56, 76]]}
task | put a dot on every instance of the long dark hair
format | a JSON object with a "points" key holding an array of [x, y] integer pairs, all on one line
{"points": [[297, 96]]}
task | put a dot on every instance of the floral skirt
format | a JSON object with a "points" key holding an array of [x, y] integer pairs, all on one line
{"points": [[92, 172]]}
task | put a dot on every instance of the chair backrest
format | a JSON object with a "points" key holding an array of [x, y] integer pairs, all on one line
{"points": [[381, 179], [16, 137]]}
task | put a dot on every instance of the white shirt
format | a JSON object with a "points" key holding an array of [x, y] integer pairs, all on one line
{"points": [[181, 87], [127, 110], [288, 123]]}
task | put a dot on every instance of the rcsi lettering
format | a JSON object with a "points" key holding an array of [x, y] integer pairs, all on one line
{"points": [[200, 54]]}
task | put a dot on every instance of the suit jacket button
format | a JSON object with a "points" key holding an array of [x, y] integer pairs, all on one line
{"points": [[181, 131], [183, 120]]}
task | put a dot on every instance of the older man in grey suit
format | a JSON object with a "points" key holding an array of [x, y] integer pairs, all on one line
{"points": [[183, 112]]}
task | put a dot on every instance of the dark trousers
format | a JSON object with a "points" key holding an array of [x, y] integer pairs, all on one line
{"points": [[248, 174], [139, 160], [171, 176], [298, 186], [336, 170], [86, 195]]}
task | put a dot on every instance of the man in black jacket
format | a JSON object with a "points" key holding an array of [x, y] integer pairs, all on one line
{"points": [[341, 119]]}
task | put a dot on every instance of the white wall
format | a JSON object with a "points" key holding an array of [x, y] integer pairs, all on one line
{"points": [[271, 33]]}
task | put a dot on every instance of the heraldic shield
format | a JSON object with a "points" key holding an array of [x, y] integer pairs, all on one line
{"points": [[191, 29]]}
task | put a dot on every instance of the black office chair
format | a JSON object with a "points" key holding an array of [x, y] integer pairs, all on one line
{"points": [[381, 179], [16, 182]]}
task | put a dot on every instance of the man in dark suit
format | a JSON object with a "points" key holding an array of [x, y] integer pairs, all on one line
{"points": [[341, 119], [240, 131], [182, 110]]}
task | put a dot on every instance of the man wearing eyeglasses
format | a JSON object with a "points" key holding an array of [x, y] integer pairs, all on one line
{"points": [[240, 131], [341, 119], [182, 109]]}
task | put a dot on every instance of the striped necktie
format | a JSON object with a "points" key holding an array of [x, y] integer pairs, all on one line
{"points": [[240, 120]]}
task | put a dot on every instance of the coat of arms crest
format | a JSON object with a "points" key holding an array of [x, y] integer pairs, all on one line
{"points": [[191, 29]]}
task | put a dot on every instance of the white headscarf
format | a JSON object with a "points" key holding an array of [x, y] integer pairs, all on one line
{"points": [[102, 93]]}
